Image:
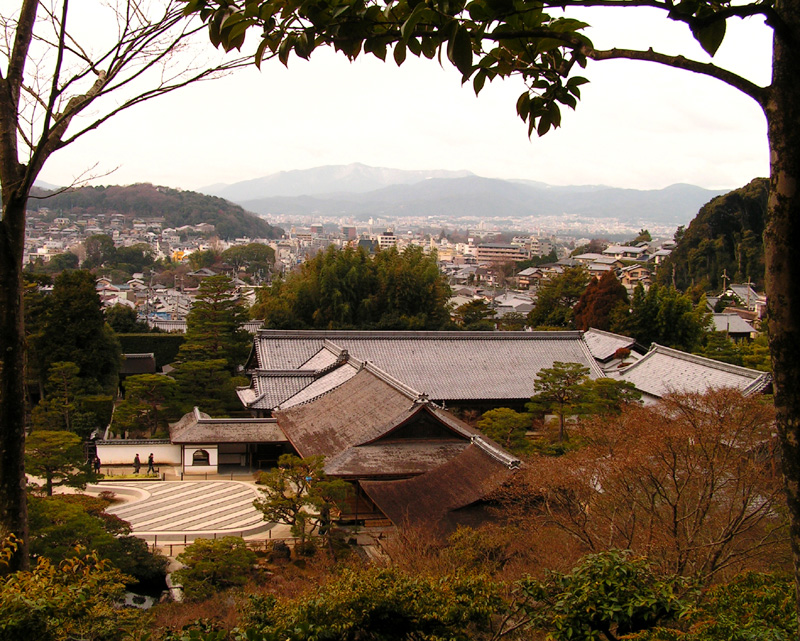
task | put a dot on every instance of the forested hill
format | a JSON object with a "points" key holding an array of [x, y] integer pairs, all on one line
{"points": [[726, 235], [148, 201]]}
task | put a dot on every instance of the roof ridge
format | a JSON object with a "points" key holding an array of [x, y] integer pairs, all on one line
{"points": [[392, 381], [496, 453], [326, 334], [702, 360], [611, 334]]}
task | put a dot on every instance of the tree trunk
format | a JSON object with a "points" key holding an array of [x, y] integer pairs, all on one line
{"points": [[13, 500], [782, 258]]}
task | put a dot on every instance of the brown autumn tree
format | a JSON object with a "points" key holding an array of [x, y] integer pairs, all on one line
{"points": [[691, 483], [55, 88], [597, 303]]}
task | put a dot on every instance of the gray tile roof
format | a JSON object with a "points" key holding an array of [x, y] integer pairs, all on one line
{"points": [[732, 323], [450, 366], [663, 370], [603, 345]]}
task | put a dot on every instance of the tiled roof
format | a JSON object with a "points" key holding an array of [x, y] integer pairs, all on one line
{"points": [[732, 323], [197, 427], [321, 386], [663, 370], [447, 366], [603, 345]]}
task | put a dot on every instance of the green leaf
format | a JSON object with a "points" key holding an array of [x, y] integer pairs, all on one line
{"points": [[478, 81], [262, 47], [400, 53], [711, 37], [459, 50], [544, 124]]}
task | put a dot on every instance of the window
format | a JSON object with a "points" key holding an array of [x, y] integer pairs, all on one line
{"points": [[200, 457]]}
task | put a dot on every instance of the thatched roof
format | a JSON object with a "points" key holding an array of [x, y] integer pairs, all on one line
{"points": [[451, 494], [197, 428], [373, 426]]}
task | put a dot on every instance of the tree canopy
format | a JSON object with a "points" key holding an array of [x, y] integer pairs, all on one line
{"points": [[348, 289], [73, 329]]}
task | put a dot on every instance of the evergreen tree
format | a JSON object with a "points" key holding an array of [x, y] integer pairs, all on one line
{"points": [[57, 458], [475, 315], [73, 329], [124, 320], [665, 316], [556, 299], [348, 289], [507, 427], [214, 325], [206, 384]]}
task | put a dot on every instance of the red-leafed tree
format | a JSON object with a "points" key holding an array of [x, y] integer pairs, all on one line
{"points": [[597, 304]]}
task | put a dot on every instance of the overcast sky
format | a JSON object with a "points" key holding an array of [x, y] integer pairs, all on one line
{"points": [[638, 125]]}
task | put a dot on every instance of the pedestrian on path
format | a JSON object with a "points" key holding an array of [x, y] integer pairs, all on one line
{"points": [[137, 464], [150, 467], [96, 464]]}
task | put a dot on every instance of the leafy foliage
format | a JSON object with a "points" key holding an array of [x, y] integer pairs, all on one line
{"points": [[507, 427], [380, 604], [75, 599], [725, 236], [689, 482], [72, 328], [214, 565], [124, 320], [751, 607], [565, 389], [147, 396], [57, 458], [298, 493], [346, 289], [475, 315], [608, 595], [665, 316], [556, 298], [64, 523], [214, 325], [219, 388], [601, 299]]}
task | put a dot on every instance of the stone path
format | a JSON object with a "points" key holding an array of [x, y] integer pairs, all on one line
{"points": [[185, 510]]}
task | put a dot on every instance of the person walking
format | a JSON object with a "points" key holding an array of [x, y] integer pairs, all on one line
{"points": [[96, 464], [137, 464], [150, 467]]}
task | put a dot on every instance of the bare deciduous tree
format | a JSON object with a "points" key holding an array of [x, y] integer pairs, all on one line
{"points": [[55, 86], [692, 483]]}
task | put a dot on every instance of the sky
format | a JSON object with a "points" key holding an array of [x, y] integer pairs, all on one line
{"points": [[638, 125]]}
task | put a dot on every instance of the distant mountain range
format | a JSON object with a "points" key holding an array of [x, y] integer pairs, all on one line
{"points": [[362, 192]]}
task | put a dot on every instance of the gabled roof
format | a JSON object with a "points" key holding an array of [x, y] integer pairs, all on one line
{"points": [[449, 494], [198, 428], [447, 366], [358, 413], [663, 370], [603, 345], [731, 323]]}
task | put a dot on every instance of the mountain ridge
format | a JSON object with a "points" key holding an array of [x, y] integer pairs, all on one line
{"points": [[361, 191]]}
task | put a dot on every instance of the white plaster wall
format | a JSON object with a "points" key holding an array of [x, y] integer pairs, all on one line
{"points": [[188, 454], [121, 453]]}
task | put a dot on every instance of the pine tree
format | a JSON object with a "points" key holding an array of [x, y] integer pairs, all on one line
{"points": [[214, 325]]}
